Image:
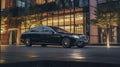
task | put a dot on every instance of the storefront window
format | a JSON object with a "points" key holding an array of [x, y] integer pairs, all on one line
{"points": [[79, 23]]}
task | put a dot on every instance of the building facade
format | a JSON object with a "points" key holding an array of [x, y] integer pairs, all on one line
{"points": [[113, 14], [19, 16]]}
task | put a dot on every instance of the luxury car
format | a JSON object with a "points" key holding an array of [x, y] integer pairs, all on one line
{"points": [[50, 35]]}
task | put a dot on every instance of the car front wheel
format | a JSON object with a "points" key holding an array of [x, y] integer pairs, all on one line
{"points": [[80, 44], [27, 42], [66, 43]]}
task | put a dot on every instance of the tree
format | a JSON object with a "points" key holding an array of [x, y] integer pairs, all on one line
{"points": [[30, 15], [107, 15]]}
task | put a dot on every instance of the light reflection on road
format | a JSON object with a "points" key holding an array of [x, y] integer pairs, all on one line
{"points": [[89, 53], [76, 55], [32, 55]]}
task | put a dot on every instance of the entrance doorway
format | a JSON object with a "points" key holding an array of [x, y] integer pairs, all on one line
{"points": [[113, 35], [12, 37]]}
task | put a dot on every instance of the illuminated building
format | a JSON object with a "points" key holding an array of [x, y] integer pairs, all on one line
{"points": [[19, 16], [112, 7]]}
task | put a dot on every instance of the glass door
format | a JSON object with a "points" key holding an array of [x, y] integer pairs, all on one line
{"points": [[113, 35], [12, 37]]}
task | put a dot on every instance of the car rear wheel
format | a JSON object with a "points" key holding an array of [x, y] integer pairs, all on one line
{"points": [[66, 43], [27, 42], [80, 44]]}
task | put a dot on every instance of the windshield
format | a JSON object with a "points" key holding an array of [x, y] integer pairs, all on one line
{"points": [[59, 30]]}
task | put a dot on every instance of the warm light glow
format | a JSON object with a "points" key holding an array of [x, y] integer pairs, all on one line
{"points": [[33, 56], [64, 21], [3, 25], [81, 18], [3, 4], [1, 31], [108, 42], [77, 56], [2, 61], [108, 45]]}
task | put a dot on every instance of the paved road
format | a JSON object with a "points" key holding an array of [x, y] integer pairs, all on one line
{"points": [[97, 54]]}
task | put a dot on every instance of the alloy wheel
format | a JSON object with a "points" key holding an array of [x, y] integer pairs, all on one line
{"points": [[27, 42], [80, 44], [66, 43]]}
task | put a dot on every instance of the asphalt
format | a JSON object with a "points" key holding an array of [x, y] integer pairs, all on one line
{"points": [[56, 56]]}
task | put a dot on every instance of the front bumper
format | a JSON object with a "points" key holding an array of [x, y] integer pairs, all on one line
{"points": [[85, 41]]}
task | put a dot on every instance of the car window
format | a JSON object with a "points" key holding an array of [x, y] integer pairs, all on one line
{"points": [[60, 30], [42, 30], [34, 31], [47, 30], [37, 29]]}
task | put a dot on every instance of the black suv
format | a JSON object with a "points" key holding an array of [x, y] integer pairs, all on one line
{"points": [[49, 35]]}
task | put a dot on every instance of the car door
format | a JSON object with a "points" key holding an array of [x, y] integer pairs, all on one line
{"points": [[47, 34], [50, 36], [36, 35], [55, 38], [40, 35]]}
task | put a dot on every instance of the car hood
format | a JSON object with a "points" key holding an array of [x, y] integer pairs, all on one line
{"points": [[70, 33]]}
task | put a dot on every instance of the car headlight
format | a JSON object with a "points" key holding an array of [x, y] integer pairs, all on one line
{"points": [[75, 36], [82, 36]]}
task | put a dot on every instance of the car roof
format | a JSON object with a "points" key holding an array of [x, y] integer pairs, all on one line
{"points": [[53, 26], [46, 26]]}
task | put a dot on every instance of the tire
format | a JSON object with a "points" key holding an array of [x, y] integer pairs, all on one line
{"points": [[27, 42], [80, 44], [66, 43]]}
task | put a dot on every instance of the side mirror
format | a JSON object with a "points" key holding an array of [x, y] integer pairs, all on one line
{"points": [[52, 32]]}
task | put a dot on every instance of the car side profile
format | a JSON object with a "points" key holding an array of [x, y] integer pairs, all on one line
{"points": [[50, 35]]}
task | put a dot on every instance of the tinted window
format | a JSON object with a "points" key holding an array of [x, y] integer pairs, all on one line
{"points": [[34, 31], [59, 30], [47, 29], [38, 29]]}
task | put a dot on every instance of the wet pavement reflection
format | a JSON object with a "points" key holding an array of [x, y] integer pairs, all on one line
{"points": [[12, 54]]}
